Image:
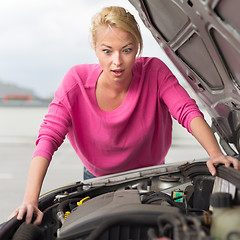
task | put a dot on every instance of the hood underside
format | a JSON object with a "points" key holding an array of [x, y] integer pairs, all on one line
{"points": [[202, 38]]}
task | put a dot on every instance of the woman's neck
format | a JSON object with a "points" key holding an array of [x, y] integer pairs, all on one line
{"points": [[111, 94]]}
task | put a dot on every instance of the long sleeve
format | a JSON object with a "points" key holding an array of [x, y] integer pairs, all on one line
{"points": [[52, 131], [180, 105], [57, 121]]}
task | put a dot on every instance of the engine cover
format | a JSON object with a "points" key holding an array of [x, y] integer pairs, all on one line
{"points": [[110, 206]]}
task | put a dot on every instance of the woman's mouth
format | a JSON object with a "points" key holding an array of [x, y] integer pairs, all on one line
{"points": [[118, 72]]}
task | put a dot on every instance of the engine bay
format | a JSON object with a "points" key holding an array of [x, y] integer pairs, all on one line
{"points": [[161, 202]]}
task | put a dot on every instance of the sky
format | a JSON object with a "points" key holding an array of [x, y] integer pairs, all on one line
{"points": [[41, 39]]}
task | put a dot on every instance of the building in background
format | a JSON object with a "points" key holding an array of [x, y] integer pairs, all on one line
{"points": [[11, 94]]}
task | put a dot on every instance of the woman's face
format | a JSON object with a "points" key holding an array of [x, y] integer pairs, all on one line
{"points": [[116, 51]]}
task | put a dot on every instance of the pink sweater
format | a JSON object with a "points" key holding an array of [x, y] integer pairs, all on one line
{"points": [[136, 134]]}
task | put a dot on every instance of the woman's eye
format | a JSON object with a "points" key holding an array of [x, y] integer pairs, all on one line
{"points": [[127, 50], [107, 51]]}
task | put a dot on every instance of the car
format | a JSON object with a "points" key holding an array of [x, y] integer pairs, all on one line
{"points": [[170, 201]]}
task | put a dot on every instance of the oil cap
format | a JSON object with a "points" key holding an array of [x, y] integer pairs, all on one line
{"points": [[221, 200]]}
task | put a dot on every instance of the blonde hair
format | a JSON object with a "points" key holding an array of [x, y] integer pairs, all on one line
{"points": [[117, 17]]}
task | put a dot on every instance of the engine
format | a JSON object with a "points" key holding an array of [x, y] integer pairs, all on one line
{"points": [[160, 203]]}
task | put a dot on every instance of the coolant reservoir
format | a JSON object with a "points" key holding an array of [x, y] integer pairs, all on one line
{"points": [[226, 218]]}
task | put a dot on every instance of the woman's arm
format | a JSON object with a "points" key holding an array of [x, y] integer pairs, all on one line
{"points": [[203, 133], [37, 172]]}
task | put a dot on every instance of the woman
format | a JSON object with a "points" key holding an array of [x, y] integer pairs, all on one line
{"points": [[116, 114]]}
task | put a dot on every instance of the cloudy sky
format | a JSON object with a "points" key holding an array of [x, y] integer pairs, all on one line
{"points": [[41, 39]]}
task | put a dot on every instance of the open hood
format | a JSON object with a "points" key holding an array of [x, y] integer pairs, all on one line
{"points": [[202, 38]]}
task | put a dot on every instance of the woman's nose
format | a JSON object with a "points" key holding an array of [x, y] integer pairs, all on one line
{"points": [[117, 59]]}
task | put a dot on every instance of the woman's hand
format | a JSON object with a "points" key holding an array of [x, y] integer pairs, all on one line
{"points": [[222, 159], [203, 133], [31, 212]]}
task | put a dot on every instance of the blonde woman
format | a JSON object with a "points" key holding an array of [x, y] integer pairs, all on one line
{"points": [[116, 114]]}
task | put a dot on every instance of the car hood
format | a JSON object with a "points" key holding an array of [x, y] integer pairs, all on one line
{"points": [[202, 39]]}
